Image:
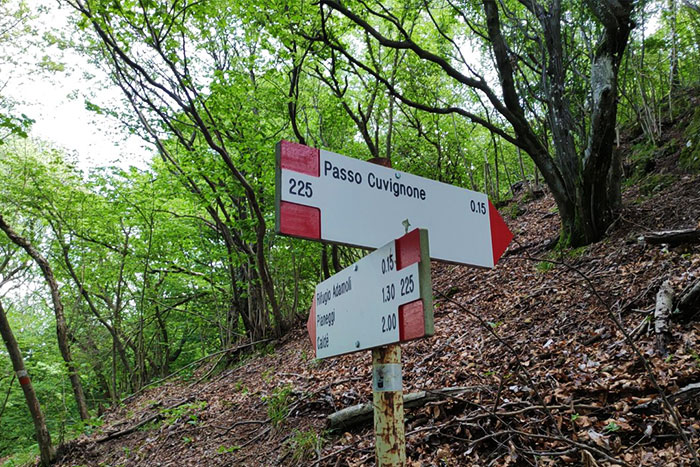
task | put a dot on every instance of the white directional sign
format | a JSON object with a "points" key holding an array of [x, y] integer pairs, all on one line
{"points": [[326, 196], [384, 298]]}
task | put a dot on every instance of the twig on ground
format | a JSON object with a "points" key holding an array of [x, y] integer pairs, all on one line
{"points": [[252, 440], [333, 454], [208, 373], [200, 360], [143, 422]]}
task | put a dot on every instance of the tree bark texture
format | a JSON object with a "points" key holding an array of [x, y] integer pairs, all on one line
{"points": [[689, 304], [43, 437], [61, 326], [662, 314]]}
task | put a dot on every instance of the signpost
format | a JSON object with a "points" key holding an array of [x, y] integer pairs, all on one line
{"points": [[381, 300], [386, 297], [325, 196]]}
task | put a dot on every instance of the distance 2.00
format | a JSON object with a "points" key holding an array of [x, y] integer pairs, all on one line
{"points": [[389, 322]]}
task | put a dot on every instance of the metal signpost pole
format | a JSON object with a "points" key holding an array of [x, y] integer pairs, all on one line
{"points": [[387, 397]]}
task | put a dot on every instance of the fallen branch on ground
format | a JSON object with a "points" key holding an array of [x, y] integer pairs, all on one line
{"points": [[143, 422], [672, 237], [687, 393], [232, 349]]}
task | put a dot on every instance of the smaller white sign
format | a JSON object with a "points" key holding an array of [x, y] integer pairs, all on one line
{"points": [[358, 308]]}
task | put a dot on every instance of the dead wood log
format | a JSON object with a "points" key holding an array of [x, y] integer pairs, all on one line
{"points": [[673, 237], [689, 304], [664, 305], [363, 413], [688, 393]]}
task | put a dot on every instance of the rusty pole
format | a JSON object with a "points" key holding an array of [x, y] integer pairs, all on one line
{"points": [[387, 397]]}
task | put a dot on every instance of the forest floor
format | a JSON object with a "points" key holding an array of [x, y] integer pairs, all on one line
{"points": [[546, 376]]}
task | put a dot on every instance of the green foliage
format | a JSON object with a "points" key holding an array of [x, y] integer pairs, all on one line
{"points": [[278, 404], [24, 458], [183, 413], [152, 425], [654, 183], [16, 33], [642, 161], [268, 375], [544, 266], [695, 356], [611, 427], [690, 154], [266, 349], [87, 427], [240, 387], [575, 253], [43, 362], [227, 449], [315, 362], [305, 444], [514, 211]]}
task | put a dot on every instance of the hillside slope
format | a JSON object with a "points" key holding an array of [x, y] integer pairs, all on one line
{"points": [[547, 376]]}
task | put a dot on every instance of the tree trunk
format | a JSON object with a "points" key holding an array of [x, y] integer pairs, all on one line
{"points": [[335, 256], [588, 202], [91, 304], [43, 436], [324, 262], [61, 326]]}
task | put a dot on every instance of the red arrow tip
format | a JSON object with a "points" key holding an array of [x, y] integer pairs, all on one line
{"points": [[500, 234]]}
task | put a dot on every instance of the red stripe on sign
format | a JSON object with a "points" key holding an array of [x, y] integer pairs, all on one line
{"points": [[411, 321], [311, 324], [500, 234], [299, 158], [300, 221], [408, 249], [24, 380]]}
